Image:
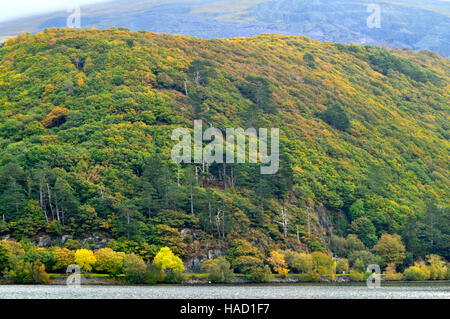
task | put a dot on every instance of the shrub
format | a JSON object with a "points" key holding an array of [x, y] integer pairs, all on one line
{"points": [[154, 274], [391, 274], [219, 270], [260, 274], [175, 277], [356, 276], [417, 272], [309, 277], [134, 269]]}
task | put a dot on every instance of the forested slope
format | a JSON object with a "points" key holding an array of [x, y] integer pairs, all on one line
{"points": [[86, 119]]}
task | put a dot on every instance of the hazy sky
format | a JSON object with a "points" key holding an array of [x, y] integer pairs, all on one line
{"points": [[21, 8]]}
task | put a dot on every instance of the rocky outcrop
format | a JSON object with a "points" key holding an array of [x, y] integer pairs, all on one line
{"points": [[193, 265]]}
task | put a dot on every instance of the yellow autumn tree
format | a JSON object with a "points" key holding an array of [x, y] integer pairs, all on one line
{"points": [[85, 259], [63, 258], [109, 261], [276, 260], [166, 260]]}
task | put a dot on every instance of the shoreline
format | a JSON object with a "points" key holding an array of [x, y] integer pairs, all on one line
{"points": [[236, 281]]}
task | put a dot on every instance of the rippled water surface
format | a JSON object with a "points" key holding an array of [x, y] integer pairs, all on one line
{"points": [[439, 290]]}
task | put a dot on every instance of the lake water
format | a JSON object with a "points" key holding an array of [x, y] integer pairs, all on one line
{"points": [[436, 290]]}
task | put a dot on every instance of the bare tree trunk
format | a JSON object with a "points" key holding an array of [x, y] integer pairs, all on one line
{"points": [[284, 221], [218, 222], [50, 201], [224, 176], [192, 198], [197, 78], [210, 216], [42, 201]]}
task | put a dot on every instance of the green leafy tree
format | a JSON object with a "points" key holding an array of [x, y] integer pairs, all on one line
{"points": [[391, 249], [365, 230], [134, 269], [336, 116], [219, 270]]}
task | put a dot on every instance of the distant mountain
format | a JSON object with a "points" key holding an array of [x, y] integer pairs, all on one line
{"points": [[416, 24]]}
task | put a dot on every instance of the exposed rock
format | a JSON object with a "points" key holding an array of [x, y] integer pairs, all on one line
{"points": [[45, 241], [194, 264], [185, 232], [95, 241], [65, 237]]}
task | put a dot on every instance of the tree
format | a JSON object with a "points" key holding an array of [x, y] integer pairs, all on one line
{"points": [[276, 260], [309, 60], [342, 266], [258, 90], [201, 71], [336, 116], [354, 243], [357, 209], [63, 258], [27, 272], [391, 273], [436, 267], [245, 264], [55, 118], [361, 259], [302, 263], [391, 249], [242, 248], [323, 264], [85, 259], [166, 260], [219, 270], [109, 261], [365, 230], [8, 250], [134, 269]]}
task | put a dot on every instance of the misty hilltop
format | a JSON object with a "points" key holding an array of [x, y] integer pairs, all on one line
{"points": [[418, 24]]}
